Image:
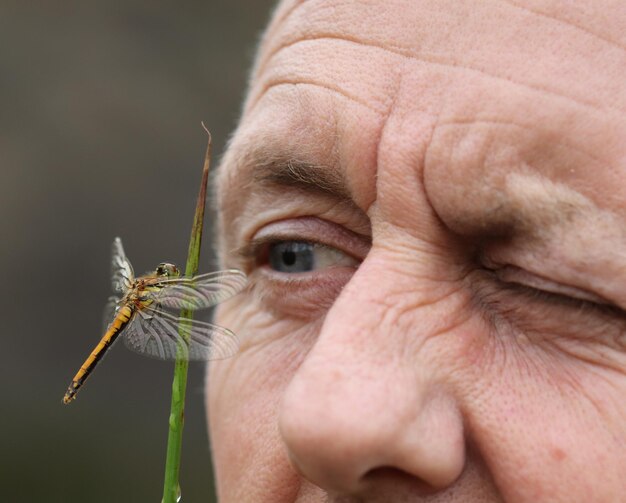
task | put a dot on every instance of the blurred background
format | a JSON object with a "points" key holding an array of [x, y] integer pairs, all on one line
{"points": [[100, 110]]}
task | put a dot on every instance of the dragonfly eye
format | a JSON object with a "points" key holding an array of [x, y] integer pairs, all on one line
{"points": [[165, 269]]}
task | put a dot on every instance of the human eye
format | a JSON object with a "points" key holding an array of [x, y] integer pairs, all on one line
{"points": [[550, 289], [304, 245], [537, 304], [300, 265], [291, 256]]}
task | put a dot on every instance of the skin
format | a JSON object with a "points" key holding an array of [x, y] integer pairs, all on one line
{"points": [[462, 336]]}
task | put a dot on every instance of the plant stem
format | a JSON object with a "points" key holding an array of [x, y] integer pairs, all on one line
{"points": [[171, 488]]}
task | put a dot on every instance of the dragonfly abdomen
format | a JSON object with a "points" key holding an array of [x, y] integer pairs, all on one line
{"points": [[120, 321]]}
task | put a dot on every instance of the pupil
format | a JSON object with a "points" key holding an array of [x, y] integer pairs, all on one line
{"points": [[289, 258], [292, 256]]}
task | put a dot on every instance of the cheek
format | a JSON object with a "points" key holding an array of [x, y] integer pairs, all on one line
{"points": [[546, 437], [243, 397]]}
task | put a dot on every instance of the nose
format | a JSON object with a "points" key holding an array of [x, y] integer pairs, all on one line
{"points": [[364, 402]]}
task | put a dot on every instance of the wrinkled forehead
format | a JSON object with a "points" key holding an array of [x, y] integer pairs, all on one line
{"points": [[541, 80], [529, 42]]}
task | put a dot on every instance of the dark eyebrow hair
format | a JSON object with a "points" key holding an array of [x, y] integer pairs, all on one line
{"points": [[303, 175]]}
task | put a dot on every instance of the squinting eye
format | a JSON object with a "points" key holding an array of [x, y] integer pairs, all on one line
{"points": [[303, 256], [515, 275]]}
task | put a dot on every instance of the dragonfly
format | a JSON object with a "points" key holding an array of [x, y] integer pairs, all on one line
{"points": [[141, 314]]}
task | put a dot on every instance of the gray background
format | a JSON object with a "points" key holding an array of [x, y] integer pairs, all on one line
{"points": [[100, 110]]}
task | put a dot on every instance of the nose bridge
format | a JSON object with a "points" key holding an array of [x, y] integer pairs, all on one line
{"points": [[382, 326], [391, 303], [366, 396]]}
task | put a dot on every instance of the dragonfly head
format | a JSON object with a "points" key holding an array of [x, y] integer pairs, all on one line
{"points": [[167, 270]]}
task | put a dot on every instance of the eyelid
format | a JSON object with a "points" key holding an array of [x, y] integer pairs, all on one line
{"points": [[512, 274], [308, 229], [310, 294]]}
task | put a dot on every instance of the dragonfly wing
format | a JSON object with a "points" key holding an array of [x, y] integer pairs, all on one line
{"points": [[155, 333], [109, 312], [122, 274], [201, 291]]}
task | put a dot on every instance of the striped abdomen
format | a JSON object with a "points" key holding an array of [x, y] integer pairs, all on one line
{"points": [[121, 320]]}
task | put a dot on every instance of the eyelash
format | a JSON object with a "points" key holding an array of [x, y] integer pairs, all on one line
{"points": [[256, 252], [251, 251], [552, 298], [534, 287]]}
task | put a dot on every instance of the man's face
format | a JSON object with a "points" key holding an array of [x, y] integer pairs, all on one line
{"points": [[430, 201]]}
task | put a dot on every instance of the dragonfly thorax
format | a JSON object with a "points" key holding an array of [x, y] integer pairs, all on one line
{"points": [[167, 270]]}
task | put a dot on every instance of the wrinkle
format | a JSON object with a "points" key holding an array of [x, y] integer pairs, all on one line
{"points": [[379, 137], [397, 49], [287, 14], [441, 62], [568, 145], [581, 351], [570, 24], [571, 377], [394, 308], [408, 308], [293, 82], [275, 24], [421, 334], [403, 307]]}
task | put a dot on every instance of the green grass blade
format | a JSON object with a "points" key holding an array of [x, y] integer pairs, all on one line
{"points": [[171, 487]]}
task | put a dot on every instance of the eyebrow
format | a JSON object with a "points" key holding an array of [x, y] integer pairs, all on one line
{"points": [[302, 175], [540, 203]]}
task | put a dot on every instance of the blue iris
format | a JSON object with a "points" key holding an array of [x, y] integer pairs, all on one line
{"points": [[292, 256]]}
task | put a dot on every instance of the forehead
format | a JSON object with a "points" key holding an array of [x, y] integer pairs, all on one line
{"points": [[477, 88], [536, 45]]}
